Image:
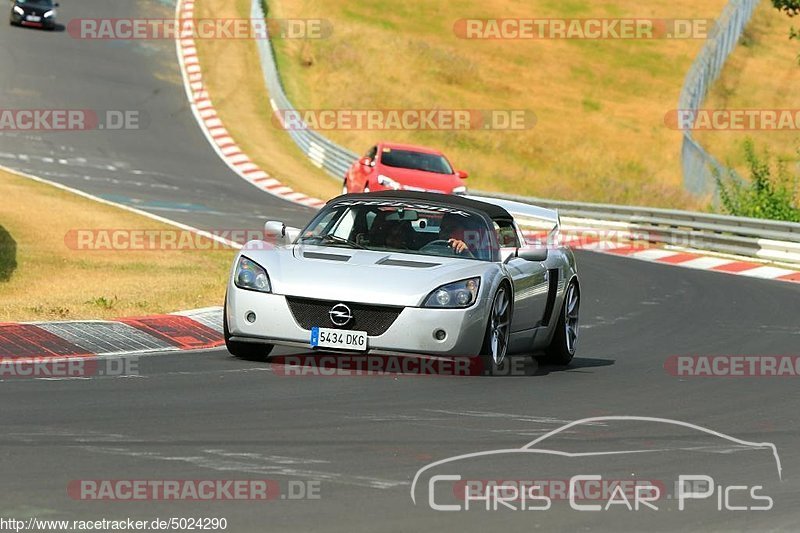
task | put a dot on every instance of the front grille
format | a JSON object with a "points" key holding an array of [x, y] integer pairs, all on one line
{"points": [[374, 319]]}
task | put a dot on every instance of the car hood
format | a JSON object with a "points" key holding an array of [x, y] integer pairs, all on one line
{"points": [[365, 276], [422, 180]]}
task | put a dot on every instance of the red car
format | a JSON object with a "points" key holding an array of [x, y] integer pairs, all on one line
{"points": [[392, 166]]}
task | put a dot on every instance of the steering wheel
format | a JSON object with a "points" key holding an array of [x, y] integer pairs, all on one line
{"points": [[441, 243]]}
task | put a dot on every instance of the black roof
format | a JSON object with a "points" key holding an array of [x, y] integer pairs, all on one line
{"points": [[494, 211]]}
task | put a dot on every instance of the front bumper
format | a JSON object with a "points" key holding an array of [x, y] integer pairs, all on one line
{"points": [[412, 331], [21, 20]]}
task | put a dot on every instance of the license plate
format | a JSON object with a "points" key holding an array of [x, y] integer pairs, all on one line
{"points": [[338, 338], [34, 18]]}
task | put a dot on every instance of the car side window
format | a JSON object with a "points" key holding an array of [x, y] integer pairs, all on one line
{"points": [[506, 234]]}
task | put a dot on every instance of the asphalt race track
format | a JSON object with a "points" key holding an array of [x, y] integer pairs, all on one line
{"points": [[206, 415], [167, 167]]}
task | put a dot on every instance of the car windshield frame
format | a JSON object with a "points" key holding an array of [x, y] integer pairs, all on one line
{"points": [[349, 223], [447, 168], [37, 3]]}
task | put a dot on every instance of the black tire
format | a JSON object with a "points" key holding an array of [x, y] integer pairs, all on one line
{"points": [[562, 348], [249, 351], [489, 366]]}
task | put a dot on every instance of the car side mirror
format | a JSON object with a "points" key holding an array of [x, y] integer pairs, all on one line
{"points": [[365, 161], [533, 253], [462, 174], [278, 232], [292, 234]]}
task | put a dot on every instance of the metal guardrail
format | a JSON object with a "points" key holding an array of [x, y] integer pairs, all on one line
{"points": [[322, 152], [752, 237], [765, 239], [698, 176]]}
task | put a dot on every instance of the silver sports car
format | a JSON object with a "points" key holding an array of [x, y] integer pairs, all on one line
{"points": [[403, 271]]}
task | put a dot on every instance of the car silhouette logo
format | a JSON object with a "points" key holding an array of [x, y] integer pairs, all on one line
{"points": [[340, 315]]}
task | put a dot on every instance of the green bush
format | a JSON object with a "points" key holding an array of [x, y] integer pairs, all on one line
{"points": [[765, 195]]}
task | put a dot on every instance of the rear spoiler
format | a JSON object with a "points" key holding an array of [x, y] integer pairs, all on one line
{"points": [[528, 215]]}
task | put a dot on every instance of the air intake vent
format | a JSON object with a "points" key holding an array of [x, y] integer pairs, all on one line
{"points": [[404, 263], [551, 297], [374, 319], [328, 257]]}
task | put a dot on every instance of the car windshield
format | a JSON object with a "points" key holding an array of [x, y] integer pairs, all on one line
{"points": [[415, 161], [37, 3], [402, 226]]}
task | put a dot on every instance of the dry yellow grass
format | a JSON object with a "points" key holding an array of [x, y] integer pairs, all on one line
{"points": [[761, 74], [233, 78], [43, 278], [600, 105]]}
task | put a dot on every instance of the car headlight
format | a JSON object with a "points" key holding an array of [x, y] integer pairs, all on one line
{"points": [[48, 14], [454, 295], [460, 190], [18, 10], [251, 276], [386, 181]]}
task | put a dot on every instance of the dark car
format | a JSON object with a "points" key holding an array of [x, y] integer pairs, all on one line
{"points": [[36, 13]]}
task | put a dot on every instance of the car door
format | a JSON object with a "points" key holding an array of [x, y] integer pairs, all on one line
{"points": [[530, 279]]}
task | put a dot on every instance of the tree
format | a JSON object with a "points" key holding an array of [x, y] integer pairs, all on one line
{"points": [[791, 8]]}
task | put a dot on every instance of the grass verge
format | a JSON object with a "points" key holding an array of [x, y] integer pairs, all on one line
{"points": [[232, 75], [762, 73], [600, 104], [44, 277]]}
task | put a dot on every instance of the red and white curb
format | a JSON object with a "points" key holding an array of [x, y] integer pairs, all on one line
{"points": [[189, 330], [702, 261], [211, 124]]}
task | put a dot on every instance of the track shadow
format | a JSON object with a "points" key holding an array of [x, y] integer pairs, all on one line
{"points": [[578, 364], [8, 255], [333, 364], [57, 28]]}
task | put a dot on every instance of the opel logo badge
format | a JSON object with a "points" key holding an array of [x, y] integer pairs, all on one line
{"points": [[340, 315]]}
